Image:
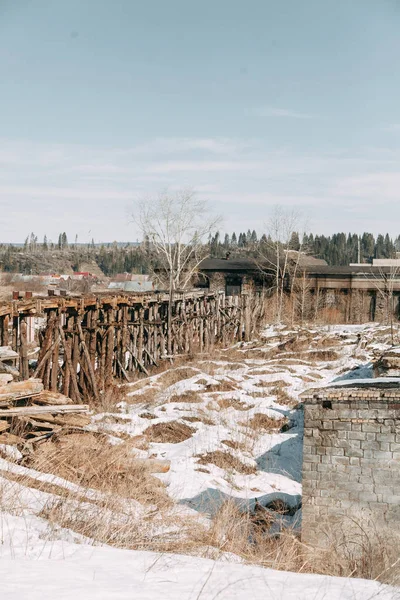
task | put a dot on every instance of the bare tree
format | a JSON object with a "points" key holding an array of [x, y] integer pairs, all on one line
{"points": [[301, 295], [273, 254], [385, 283], [176, 226]]}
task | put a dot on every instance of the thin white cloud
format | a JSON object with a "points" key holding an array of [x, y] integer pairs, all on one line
{"points": [[371, 188], [70, 183], [392, 127], [283, 113], [203, 166]]}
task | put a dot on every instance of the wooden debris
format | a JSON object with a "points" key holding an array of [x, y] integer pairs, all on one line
{"points": [[52, 398], [10, 439], [20, 389], [30, 416], [4, 426], [38, 410], [29, 423], [74, 420]]}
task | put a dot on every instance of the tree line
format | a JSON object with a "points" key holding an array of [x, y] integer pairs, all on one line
{"points": [[339, 249]]}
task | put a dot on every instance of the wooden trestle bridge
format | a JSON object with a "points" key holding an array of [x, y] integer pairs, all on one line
{"points": [[86, 342]]}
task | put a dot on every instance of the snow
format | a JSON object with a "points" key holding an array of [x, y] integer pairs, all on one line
{"points": [[364, 381], [253, 374], [65, 570], [40, 559]]}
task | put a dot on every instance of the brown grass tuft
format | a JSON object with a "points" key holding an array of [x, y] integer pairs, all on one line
{"points": [[265, 423], [172, 432], [190, 397], [283, 398], [221, 386], [92, 462], [226, 461], [173, 376], [235, 445], [234, 403]]}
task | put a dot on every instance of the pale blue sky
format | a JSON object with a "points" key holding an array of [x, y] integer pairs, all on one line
{"points": [[251, 103]]}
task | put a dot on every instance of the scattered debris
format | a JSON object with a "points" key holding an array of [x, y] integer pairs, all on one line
{"points": [[30, 415]]}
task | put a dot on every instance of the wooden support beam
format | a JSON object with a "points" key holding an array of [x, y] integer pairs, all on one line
{"points": [[4, 331], [74, 382], [108, 374], [15, 322], [89, 363], [23, 349], [55, 355]]}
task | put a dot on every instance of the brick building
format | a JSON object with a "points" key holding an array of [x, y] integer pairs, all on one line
{"points": [[351, 459]]}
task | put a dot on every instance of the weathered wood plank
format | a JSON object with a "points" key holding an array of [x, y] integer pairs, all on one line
{"points": [[40, 410]]}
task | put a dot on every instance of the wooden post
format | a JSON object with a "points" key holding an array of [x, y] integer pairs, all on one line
{"points": [[140, 335], [6, 325], [247, 320], [201, 330], [93, 336], [124, 337], [15, 334], [89, 363], [23, 349], [54, 357], [75, 349], [108, 375], [4, 330], [67, 356], [75, 395]]}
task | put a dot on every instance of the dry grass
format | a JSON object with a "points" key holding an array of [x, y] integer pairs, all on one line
{"points": [[114, 420], [322, 355], [190, 397], [201, 417], [172, 376], [283, 398], [115, 524], [370, 554], [295, 344], [225, 461], [108, 400], [44, 486], [235, 445], [315, 375], [148, 396], [90, 461], [225, 403], [172, 432], [262, 422], [258, 371], [222, 386]]}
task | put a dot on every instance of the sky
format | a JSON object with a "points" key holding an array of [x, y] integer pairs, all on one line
{"points": [[252, 104]]}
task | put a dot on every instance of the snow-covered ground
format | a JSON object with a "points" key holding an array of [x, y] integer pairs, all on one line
{"points": [[67, 571], [255, 378], [243, 441]]}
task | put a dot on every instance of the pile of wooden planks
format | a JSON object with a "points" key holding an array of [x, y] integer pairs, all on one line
{"points": [[28, 413]]}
